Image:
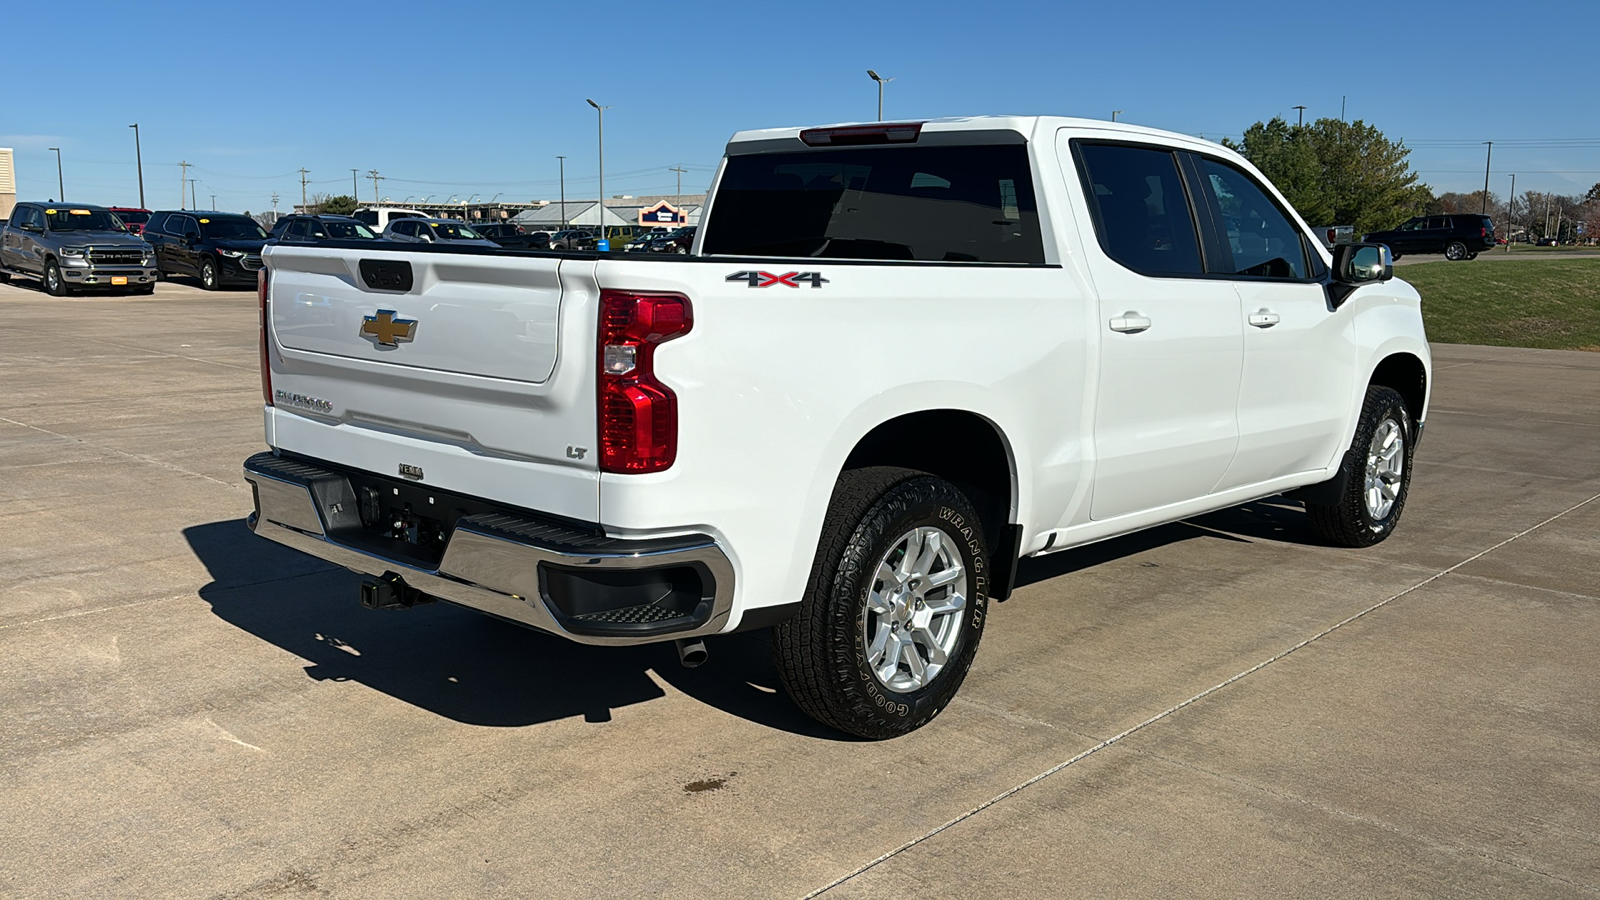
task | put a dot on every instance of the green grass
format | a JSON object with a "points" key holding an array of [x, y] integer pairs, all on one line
{"points": [[1551, 304]]}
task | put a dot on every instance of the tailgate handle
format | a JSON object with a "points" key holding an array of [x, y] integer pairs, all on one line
{"points": [[387, 274]]}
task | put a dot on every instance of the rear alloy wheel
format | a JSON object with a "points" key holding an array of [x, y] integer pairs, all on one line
{"points": [[1455, 251], [894, 608], [208, 274], [53, 284]]}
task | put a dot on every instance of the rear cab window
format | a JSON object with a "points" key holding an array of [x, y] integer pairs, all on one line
{"points": [[964, 203], [1140, 208]]}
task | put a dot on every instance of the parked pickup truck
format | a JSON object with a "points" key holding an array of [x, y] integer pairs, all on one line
{"points": [[74, 247], [900, 357]]}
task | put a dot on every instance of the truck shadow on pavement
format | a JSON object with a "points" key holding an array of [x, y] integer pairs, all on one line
{"points": [[464, 665], [479, 670]]}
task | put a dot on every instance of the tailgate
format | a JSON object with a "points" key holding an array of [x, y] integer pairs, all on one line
{"points": [[445, 363]]}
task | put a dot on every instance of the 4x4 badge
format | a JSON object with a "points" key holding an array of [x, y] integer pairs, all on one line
{"points": [[387, 330], [787, 279]]}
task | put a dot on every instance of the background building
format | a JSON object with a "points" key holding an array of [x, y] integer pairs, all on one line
{"points": [[8, 182]]}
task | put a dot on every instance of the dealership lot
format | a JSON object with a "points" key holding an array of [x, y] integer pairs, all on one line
{"points": [[1216, 708]]}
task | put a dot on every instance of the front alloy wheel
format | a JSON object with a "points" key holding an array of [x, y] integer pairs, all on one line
{"points": [[208, 275], [52, 279], [1375, 475]]}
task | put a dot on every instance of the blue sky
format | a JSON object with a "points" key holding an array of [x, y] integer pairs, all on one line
{"points": [[462, 98]]}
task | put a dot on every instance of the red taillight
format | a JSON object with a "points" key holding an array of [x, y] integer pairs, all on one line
{"points": [[638, 414], [266, 370], [897, 133]]}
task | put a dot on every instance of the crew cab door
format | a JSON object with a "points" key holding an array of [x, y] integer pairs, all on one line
{"points": [[1171, 341], [1299, 377]]}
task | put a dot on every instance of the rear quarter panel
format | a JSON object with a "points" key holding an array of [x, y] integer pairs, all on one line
{"points": [[776, 385]]}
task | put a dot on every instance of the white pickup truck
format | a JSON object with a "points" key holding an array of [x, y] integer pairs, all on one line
{"points": [[900, 357]]}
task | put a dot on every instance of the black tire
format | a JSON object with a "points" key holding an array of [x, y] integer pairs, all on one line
{"points": [[1455, 251], [1472, 256], [822, 653], [1349, 522], [5, 278], [145, 289], [52, 281], [209, 277]]}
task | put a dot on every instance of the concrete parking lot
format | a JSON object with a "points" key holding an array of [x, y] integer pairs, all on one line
{"points": [[1216, 708]]}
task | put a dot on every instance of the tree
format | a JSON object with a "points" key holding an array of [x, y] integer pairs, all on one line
{"points": [[340, 205], [1337, 173], [1283, 153]]}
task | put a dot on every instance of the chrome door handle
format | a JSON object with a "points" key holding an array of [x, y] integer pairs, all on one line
{"points": [[1130, 323], [1264, 319]]}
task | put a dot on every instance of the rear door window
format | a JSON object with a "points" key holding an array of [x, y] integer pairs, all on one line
{"points": [[1140, 207], [946, 204]]}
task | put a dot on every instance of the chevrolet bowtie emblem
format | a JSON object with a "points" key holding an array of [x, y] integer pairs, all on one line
{"points": [[386, 329]]}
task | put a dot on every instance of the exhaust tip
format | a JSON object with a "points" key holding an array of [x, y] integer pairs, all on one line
{"points": [[691, 652]]}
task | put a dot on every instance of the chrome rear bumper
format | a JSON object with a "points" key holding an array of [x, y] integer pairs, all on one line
{"points": [[491, 563]]}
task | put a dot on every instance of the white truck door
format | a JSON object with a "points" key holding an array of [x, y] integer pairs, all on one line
{"points": [[1171, 341], [1299, 378]]}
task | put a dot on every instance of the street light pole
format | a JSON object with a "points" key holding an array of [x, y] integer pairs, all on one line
{"points": [[1302, 122], [1115, 113], [138, 158], [563, 165], [354, 191], [602, 111], [1486, 159], [61, 185], [881, 81]]}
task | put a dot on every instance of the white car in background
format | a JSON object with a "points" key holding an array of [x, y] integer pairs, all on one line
{"points": [[378, 217]]}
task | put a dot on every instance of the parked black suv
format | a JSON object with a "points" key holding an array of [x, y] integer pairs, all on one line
{"points": [[1458, 236], [218, 248], [304, 229], [513, 237]]}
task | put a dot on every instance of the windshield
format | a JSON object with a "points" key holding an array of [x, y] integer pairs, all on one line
{"points": [[69, 219], [133, 216], [232, 227], [449, 231], [346, 230]]}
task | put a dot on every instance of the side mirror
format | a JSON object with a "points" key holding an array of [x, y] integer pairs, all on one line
{"points": [[1357, 264]]}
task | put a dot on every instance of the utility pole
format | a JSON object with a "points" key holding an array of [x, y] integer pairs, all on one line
{"points": [[1486, 160], [183, 181], [1302, 122], [1341, 107], [61, 184], [354, 193], [563, 165], [138, 159], [303, 171], [373, 174], [1511, 207], [680, 170], [881, 81], [213, 201], [192, 195], [274, 207]]}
